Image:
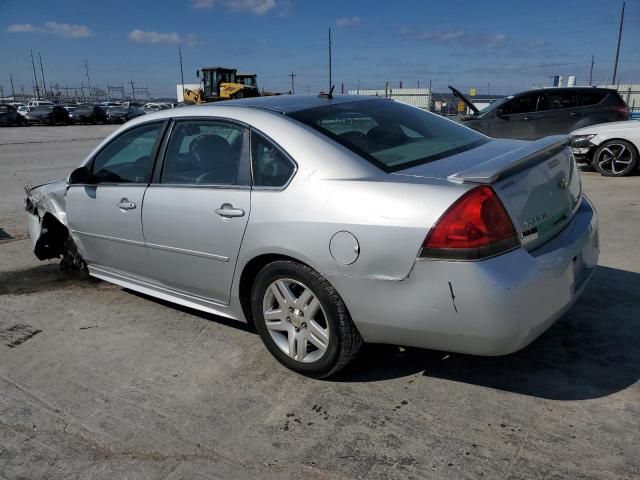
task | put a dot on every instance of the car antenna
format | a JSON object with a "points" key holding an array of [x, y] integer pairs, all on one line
{"points": [[327, 95]]}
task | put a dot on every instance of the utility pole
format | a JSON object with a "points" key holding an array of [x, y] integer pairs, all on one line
{"points": [[615, 65], [293, 87], [181, 72], [330, 78], [86, 71], [44, 84], [35, 77], [13, 93], [133, 90], [591, 70], [358, 89]]}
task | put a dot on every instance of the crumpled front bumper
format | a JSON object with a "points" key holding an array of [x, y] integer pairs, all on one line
{"points": [[489, 307]]}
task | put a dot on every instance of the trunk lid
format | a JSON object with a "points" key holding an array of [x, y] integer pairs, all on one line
{"points": [[538, 183]]}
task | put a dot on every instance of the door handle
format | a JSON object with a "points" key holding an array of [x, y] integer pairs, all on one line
{"points": [[527, 118], [226, 210], [575, 114], [126, 205]]}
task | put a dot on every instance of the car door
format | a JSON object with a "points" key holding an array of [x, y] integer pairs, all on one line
{"points": [[196, 210], [559, 112], [517, 118], [104, 216]]}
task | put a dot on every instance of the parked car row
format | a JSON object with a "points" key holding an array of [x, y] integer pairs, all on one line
{"points": [[51, 114]]}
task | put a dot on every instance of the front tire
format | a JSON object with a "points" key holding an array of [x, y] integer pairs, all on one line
{"points": [[302, 320], [615, 158]]}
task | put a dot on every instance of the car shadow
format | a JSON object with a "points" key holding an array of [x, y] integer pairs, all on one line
{"points": [[593, 351]]}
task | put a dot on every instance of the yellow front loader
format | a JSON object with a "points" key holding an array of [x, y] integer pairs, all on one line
{"points": [[219, 83]]}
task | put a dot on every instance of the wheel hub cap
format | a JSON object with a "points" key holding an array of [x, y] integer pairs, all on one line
{"points": [[296, 320]]}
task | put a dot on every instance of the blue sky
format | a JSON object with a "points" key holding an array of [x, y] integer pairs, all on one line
{"points": [[510, 45]]}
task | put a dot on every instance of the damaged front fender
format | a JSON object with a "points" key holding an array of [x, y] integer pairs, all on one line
{"points": [[47, 218]]}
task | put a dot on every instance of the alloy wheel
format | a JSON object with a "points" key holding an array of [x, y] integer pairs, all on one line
{"points": [[296, 320], [615, 159]]}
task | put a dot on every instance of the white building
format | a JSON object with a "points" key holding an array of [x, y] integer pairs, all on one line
{"points": [[418, 97]]}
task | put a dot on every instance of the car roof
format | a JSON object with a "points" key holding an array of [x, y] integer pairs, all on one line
{"points": [[565, 90], [291, 103]]}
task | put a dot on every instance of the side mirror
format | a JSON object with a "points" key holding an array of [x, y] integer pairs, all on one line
{"points": [[81, 175], [500, 112]]}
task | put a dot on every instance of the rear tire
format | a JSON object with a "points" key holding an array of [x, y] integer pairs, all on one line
{"points": [[308, 328], [615, 158]]}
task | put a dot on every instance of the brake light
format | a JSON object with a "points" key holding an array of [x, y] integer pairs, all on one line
{"points": [[622, 109], [476, 226]]}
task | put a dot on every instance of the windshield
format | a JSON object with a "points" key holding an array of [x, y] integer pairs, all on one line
{"points": [[391, 135]]}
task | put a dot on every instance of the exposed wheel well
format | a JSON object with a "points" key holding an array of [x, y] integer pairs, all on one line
{"points": [[53, 236], [248, 275]]}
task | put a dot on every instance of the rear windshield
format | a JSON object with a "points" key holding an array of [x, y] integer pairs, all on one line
{"points": [[390, 135]]}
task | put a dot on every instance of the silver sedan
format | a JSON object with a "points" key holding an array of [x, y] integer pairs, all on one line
{"points": [[329, 222]]}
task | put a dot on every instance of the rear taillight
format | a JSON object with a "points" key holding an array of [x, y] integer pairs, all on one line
{"points": [[476, 226], [622, 110]]}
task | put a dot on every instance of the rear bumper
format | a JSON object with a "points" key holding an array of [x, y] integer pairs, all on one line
{"points": [[490, 307]]}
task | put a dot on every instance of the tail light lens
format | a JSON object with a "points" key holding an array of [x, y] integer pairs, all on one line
{"points": [[476, 226], [622, 110]]}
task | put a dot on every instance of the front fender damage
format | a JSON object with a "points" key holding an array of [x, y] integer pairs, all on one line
{"points": [[47, 219]]}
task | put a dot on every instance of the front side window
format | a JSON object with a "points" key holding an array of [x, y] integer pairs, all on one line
{"points": [[129, 157], [391, 135], [524, 104], [271, 167], [205, 152]]}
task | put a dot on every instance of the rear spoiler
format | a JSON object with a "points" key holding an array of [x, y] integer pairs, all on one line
{"points": [[513, 161]]}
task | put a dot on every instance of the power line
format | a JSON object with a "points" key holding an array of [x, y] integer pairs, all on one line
{"points": [[181, 72], [44, 84], [35, 77], [330, 79], [293, 87], [615, 66]]}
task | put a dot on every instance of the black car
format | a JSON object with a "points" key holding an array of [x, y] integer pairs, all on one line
{"points": [[124, 114], [49, 114], [88, 113], [10, 116], [551, 111]]}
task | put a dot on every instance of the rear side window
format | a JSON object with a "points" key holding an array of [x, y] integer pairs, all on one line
{"points": [[559, 100], [592, 98], [128, 158], [391, 135], [271, 167]]}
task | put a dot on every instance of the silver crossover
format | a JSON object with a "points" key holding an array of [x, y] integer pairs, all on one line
{"points": [[328, 222]]}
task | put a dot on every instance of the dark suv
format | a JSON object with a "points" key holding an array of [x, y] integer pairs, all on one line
{"points": [[550, 111]]}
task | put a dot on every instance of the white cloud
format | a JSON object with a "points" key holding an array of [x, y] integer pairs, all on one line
{"points": [[53, 28], [348, 21], [141, 36], [21, 28], [257, 7], [458, 37]]}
